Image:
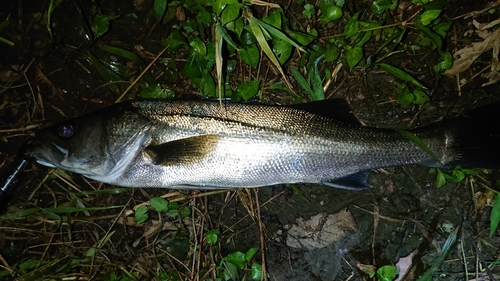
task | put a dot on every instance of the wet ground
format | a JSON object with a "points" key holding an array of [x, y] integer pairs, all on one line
{"points": [[310, 232]]}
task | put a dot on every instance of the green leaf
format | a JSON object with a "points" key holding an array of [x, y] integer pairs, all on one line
{"points": [[445, 63], [256, 271], [159, 7], [282, 50], [495, 215], [353, 55], [330, 14], [212, 236], [331, 53], [236, 258], [276, 33], [250, 55], [174, 41], [230, 272], [159, 204], [316, 81], [387, 273], [309, 11], [352, 26], [248, 90], [230, 13], [303, 38], [198, 46], [156, 92], [440, 179], [380, 6], [101, 24], [274, 18], [28, 264], [302, 81], [420, 97], [428, 16], [251, 253], [141, 214], [401, 74]]}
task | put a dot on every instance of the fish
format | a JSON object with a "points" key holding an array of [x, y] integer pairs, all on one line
{"points": [[205, 144]]}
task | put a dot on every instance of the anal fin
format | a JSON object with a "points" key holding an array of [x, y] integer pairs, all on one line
{"points": [[355, 181]]}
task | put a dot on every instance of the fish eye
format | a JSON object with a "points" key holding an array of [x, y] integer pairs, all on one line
{"points": [[66, 131]]}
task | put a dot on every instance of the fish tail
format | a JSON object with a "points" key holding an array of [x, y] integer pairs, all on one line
{"points": [[477, 134]]}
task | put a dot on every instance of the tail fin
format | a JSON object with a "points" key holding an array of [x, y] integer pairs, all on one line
{"points": [[478, 134]]}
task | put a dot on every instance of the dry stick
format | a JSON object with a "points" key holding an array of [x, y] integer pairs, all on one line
{"points": [[262, 242], [142, 73]]}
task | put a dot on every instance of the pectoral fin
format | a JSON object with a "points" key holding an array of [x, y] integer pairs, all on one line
{"points": [[184, 151], [355, 181]]}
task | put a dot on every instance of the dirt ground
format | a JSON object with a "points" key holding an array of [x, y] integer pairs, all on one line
{"points": [[309, 232]]}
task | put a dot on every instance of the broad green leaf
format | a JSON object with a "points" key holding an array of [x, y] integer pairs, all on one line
{"points": [[440, 179], [495, 215], [212, 236], [141, 214], [159, 204], [256, 271], [353, 55], [159, 8], [236, 258], [380, 6], [274, 18], [387, 273], [401, 74], [420, 97], [198, 46], [248, 90], [331, 13], [101, 24], [250, 55], [29, 264], [282, 50], [332, 53], [441, 28], [236, 26], [309, 11], [428, 16], [303, 38], [174, 41], [230, 13], [352, 26], [156, 92], [230, 272], [251, 253], [445, 63]]}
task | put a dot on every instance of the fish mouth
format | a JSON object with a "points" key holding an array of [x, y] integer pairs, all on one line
{"points": [[46, 153]]}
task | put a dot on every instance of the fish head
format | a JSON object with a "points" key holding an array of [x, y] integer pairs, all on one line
{"points": [[100, 145]]}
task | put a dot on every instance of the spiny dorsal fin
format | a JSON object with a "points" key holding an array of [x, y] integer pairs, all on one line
{"points": [[183, 151]]}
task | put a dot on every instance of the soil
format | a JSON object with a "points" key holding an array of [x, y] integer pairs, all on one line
{"points": [[310, 232]]}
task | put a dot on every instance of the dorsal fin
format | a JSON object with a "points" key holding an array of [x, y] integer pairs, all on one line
{"points": [[337, 109]]}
